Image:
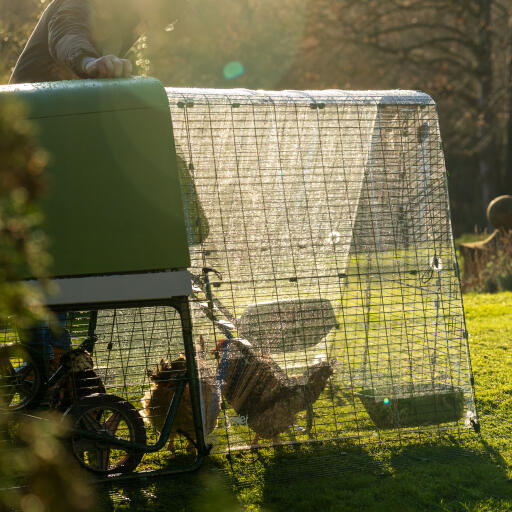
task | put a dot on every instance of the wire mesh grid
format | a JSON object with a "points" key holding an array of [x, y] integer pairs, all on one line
{"points": [[131, 347], [327, 297]]}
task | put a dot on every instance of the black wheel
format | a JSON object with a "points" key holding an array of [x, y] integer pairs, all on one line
{"points": [[22, 377], [110, 416]]}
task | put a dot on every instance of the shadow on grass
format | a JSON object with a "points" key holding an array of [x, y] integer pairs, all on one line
{"points": [[416, 477], [419, 476], [205, 490]]}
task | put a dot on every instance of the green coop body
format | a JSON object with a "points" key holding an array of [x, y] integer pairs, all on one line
{"points": [[113, 203]]}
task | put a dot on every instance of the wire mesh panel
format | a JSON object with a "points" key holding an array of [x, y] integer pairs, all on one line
{"points": [[125, 366], [328, 301]]}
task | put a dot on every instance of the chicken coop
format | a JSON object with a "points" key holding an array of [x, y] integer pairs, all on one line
{"points": [[253, 269], [119, 290], [326, 289]]}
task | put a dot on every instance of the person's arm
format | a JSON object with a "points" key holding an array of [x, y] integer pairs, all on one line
{"points": [[69, 42]]}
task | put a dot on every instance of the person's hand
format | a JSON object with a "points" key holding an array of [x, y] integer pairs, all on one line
{"points": [[108, 66]]}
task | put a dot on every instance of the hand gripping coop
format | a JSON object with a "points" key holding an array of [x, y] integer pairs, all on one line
{"points": [[241, 269]]}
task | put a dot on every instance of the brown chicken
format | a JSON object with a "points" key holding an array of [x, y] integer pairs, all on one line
{"points": [[156, 401], [78, 379], [260, 391]]}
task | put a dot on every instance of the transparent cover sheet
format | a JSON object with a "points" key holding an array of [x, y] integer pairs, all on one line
{"points": [[323, 221]]}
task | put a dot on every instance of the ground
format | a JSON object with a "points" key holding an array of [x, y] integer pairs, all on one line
{"points": [[435, 473]]}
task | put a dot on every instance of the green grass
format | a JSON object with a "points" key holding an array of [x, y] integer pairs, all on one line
{"points": [[427, 472]]}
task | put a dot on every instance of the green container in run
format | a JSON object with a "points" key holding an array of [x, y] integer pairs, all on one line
{"points": [[113, 203]]}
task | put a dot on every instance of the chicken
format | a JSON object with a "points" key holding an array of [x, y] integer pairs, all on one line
{"points": [[78, 379], [157, 399], [260, 391]]}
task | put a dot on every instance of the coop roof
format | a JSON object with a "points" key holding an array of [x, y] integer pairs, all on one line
{"points": [[389, 97]]}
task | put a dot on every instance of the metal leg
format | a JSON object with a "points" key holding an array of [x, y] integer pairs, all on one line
{"points": [[89, 343], [181, 305], [309, 420], [190, 354]]}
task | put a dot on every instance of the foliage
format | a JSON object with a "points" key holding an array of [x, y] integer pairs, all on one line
{"points": [[229, 44], [16, 24], [21, 239], [493, 268], [31, 450], [50, 476]]}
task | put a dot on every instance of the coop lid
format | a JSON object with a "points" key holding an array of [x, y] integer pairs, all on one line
{"points": [[50, 99], [113, 203]]}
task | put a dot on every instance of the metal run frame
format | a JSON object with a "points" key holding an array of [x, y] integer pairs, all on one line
{"points": [[137, 290]]}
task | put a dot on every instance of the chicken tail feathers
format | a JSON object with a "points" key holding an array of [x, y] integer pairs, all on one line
{"points": [[317, 380]]}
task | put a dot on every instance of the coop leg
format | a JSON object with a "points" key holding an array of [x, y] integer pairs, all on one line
{"points": [[193, 375], [309, 420]]}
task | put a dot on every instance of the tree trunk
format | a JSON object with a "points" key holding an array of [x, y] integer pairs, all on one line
{"points": [[485, 122], [507, 177]]}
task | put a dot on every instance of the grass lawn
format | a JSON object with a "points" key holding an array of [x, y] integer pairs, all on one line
{"points": [[432, 473]]}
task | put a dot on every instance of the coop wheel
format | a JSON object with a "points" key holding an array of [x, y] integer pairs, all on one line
{"points": [[22, 377], [111, 416]]}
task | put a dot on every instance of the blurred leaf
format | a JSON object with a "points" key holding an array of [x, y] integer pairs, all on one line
{"points": [[37, 470]]}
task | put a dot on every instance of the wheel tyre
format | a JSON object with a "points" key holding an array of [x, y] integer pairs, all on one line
{"points": [[89, 413], [22, 374]]}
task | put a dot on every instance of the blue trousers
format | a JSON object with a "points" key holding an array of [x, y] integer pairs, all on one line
{"points": [[42, 339]]}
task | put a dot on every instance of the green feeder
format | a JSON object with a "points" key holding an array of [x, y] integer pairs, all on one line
{"points": [[413, 406]]}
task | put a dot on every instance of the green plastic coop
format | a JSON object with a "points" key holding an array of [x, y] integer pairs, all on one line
{"points": [[115, 221], [113, 204]]}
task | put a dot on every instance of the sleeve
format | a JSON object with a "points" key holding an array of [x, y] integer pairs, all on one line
{"points": [[69, 39]]}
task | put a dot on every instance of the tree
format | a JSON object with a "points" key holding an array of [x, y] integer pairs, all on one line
{"points": [[229, 44], [16, 23], [458, 51]]}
